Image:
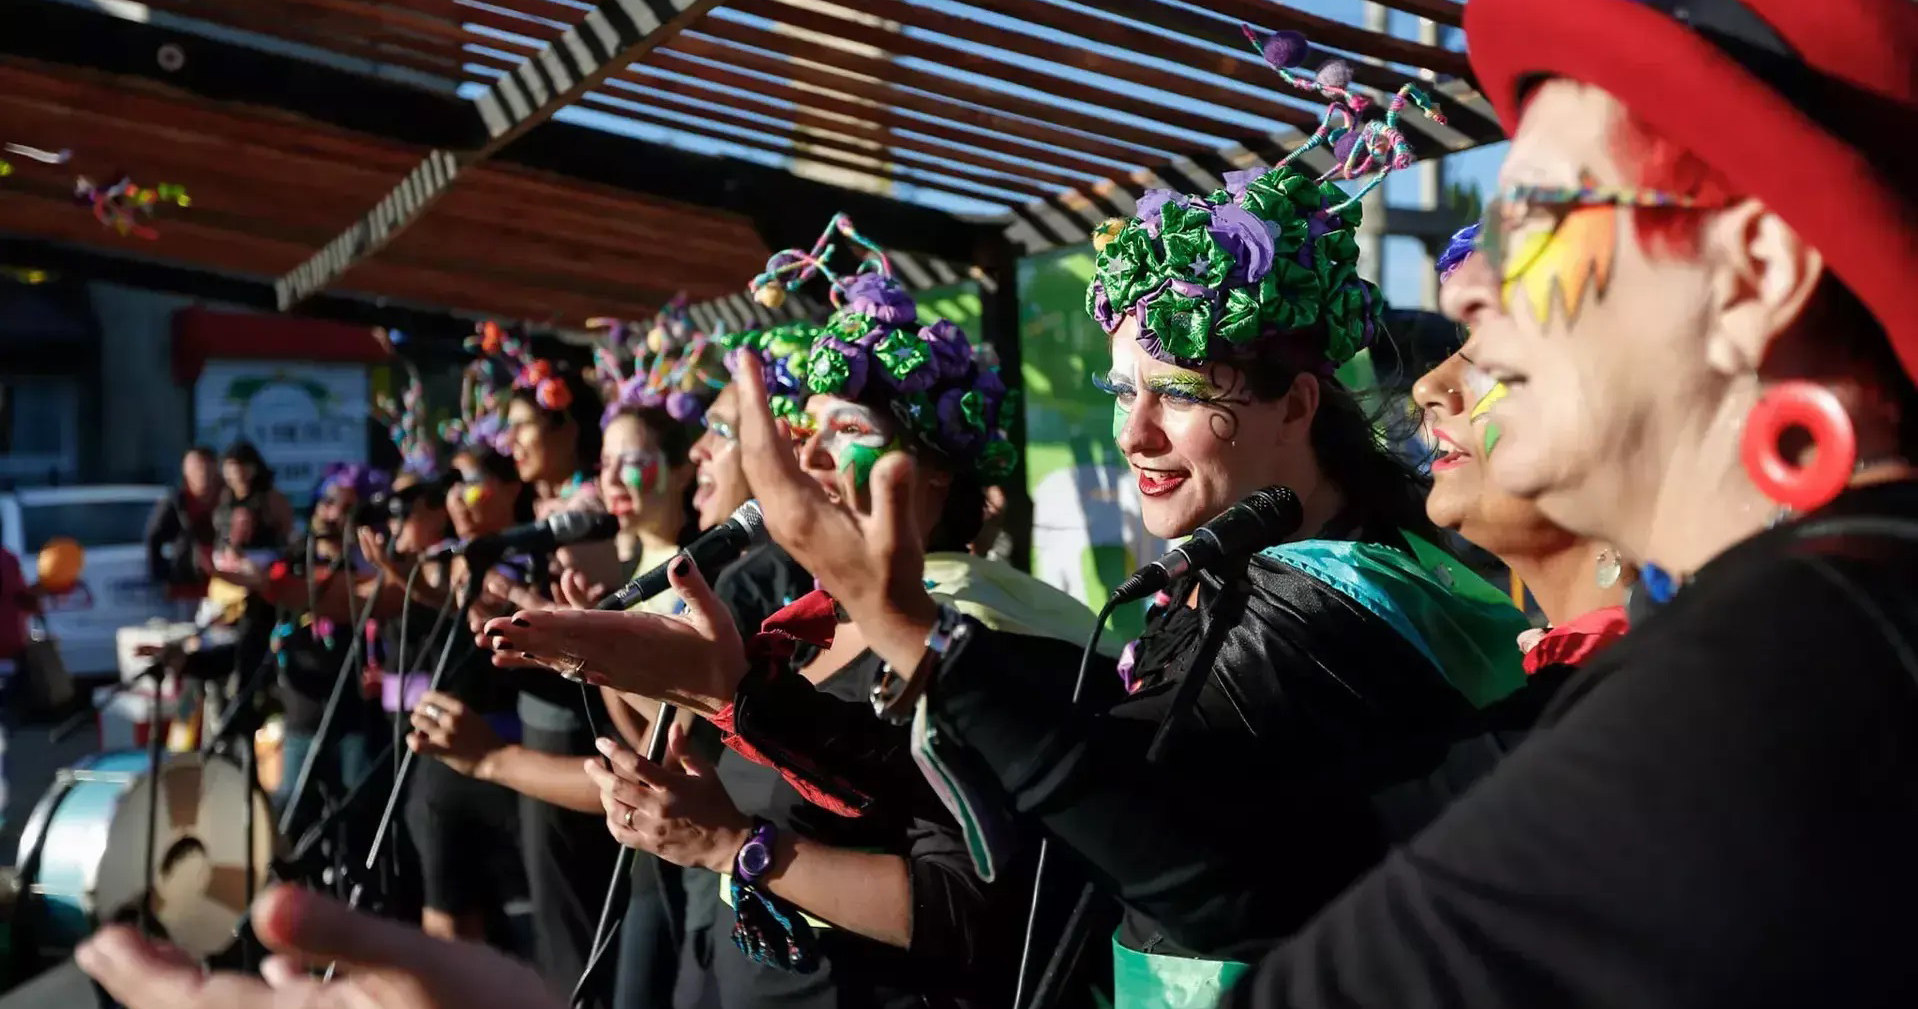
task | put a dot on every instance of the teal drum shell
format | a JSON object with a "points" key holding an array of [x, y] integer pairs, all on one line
{"points": [[65, 840]]}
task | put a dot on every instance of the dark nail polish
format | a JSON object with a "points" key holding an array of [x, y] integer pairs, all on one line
{"points": [[683, 566], [517, 622]]}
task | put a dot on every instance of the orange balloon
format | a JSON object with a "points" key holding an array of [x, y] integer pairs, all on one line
{"points": [[61, 562]]}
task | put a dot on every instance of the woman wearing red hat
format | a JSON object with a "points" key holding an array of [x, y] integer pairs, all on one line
{"points": [[1703, 291]]}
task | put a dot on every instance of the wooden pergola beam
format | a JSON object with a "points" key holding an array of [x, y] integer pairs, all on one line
{"points": [[611, 35]]}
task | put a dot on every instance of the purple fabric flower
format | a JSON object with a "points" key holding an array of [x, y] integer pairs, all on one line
{"points": [[882, 298], [1236, 182], [1244, 237], [1150, 206], [855, 365], [955, 436], [1102, 310], [951, 351]]}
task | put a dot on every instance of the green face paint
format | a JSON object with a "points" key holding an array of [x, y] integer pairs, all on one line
{"points": [[860, 459], [1492, 435]]}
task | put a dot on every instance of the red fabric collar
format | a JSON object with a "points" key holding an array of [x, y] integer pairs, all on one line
{"points": [[1574, 642], [812, 619]]}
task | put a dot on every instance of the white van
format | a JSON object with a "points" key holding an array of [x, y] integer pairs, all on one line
{"points": [[109, 522]]}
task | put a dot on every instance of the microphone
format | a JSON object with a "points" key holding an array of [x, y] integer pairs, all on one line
{"points": [[556, 530], [714, 549], [1265, 518]]}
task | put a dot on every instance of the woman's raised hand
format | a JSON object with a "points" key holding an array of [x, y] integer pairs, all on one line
{"points": [[865, 547], [694, 660]]}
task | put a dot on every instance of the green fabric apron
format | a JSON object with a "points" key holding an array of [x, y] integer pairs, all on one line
{"points": [[1153, 981]]}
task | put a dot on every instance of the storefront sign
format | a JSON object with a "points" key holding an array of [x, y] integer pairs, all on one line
{"points": [[302, 417]]}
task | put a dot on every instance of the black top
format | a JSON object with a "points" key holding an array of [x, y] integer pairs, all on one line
{"points": [[959, 954], [760, 584], [175, 534], [1312, 697], [1721, 810]]}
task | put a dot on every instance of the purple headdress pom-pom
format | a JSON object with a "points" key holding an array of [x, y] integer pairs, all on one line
{"points": [[684, 406], [1280, 49], [1335, 74], [1342, 147]]}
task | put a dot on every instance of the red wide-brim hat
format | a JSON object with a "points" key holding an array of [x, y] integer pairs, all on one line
{"points": [[1822, 135]]}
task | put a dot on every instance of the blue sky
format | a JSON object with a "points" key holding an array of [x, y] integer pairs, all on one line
{"points": [[1403, 266]]}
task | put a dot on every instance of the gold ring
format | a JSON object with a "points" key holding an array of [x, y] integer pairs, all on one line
{"points": [[628, 819]]}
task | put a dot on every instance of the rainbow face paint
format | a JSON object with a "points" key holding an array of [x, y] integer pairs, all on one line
{"points": [[1482, 408], [1563, 264], [856, 437]]}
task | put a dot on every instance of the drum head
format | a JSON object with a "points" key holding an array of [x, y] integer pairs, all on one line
{"points": [[199, 853]]}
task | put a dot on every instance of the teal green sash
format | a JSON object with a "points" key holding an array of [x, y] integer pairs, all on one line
{"points": [[1153, 981]]}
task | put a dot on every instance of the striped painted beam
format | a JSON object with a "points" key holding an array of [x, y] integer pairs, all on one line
{"points": [[610, 36]]}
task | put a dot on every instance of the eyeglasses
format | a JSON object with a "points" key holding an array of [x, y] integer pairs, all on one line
{"points": [[1514, 208]]}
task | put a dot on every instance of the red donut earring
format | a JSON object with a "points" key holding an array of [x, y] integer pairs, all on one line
{"points": [[1807, 407]]}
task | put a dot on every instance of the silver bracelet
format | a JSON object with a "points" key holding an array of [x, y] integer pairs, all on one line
{"points": [[893, 695]]}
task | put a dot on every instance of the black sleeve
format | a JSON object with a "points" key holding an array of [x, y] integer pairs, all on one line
{"points": [[958, 920], [162, 527], [1262, 809], [1722, 813]]}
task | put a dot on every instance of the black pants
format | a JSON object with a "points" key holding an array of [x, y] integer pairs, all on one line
{"points": [[569, 861]]}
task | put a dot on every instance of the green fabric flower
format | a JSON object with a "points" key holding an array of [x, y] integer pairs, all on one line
{"points": [[1293, 234], [788, 341], [850, 326], [1350, 216], [1124, 266], [972, 407], [1282, 195], [1347, 310], [1181, 323], [998, 459], [1331, 251], [789, 410], [826, 370], [1294, 298], [901, 353], [1239, 322]]}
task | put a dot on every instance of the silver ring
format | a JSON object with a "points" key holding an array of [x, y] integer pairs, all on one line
{"points": [[628, 819], [573, 668], [433, 711]]}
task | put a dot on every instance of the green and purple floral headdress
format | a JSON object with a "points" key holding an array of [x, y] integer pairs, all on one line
{"points": [[875, 350], [779, 348], [673, 366], [1271, 259]]}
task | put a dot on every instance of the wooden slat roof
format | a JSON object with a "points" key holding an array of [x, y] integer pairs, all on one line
{"points": [[1036, 117]]}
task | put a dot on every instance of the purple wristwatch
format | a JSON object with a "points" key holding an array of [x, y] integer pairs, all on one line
{"points": [[755, 857]]}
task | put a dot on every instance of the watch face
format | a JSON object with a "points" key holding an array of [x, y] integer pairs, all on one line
{"points": [[755, 858]]}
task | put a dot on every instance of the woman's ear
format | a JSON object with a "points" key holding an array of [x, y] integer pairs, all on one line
{"points": [[1300, 405], [1765, 278]]}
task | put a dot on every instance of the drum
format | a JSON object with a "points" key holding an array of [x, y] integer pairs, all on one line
{"points": [[83, 851]]}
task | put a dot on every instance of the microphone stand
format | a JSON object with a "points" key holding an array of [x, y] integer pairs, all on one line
{"points": [[329, 714], [609, 918], [1221, 616], [468, 595]]}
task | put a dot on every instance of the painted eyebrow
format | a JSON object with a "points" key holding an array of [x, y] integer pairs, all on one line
{"points": [[848, 412], [1188, 386]]}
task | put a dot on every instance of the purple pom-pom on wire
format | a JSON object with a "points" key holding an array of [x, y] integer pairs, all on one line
{"points": [[684, 406], [1335, 74], [1281, 49], [1342, 147]]}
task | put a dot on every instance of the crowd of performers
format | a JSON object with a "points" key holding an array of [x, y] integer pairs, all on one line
{"points": [[1341, 770]]}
